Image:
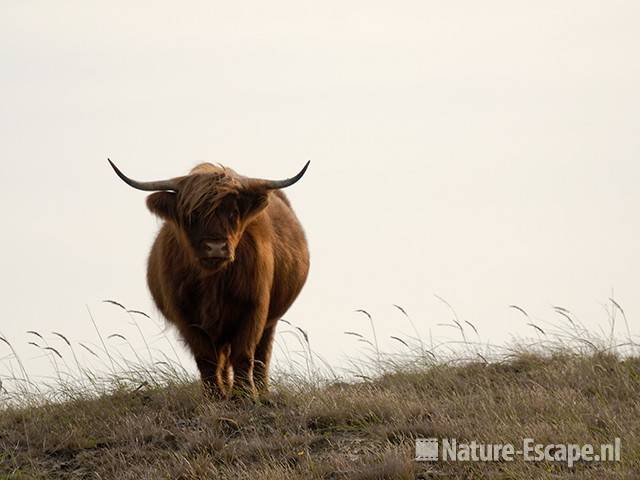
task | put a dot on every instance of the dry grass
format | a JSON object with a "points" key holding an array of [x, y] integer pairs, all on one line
{"points": [[362, 430], [145, 418]]}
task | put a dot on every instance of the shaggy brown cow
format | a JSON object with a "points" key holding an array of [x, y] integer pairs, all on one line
{"points": [[228, 262]]}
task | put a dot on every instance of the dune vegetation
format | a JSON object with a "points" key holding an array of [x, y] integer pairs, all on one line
{"points": [[150, 421]]}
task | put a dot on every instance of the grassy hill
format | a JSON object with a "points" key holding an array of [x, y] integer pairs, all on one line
{"points": [[362, 430]]}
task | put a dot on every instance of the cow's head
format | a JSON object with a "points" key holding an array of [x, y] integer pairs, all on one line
{"points": [[210, 207]]}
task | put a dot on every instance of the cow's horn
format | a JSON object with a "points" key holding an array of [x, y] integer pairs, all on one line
{"points": [[276, 184], [146, 186]]}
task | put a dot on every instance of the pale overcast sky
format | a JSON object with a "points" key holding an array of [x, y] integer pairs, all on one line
{"points": [[487, 152]]}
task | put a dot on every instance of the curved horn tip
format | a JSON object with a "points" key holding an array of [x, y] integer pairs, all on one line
{"points": [[145, 186], [113, 165], [299, 175], [294, 179], [118, 172], [278, 184]]}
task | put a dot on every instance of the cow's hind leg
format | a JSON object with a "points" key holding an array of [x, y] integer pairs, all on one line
{"points": [[263, 358]]}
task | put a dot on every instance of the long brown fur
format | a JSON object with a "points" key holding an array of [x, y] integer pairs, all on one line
{"points": [[227, 314]]}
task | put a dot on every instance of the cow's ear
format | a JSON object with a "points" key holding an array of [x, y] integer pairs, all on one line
{"points": [[252, 203], [163, 204]]}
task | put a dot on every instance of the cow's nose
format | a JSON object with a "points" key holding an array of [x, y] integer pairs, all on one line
{"points": [[216, 248]]}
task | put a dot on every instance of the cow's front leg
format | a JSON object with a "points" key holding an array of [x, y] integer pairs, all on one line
{"points": [[212, 384], [207, 358], [243, 348], [243, 385]]}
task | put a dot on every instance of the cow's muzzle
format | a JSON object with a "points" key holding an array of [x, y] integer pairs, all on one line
{"points": [[217, 249]]}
